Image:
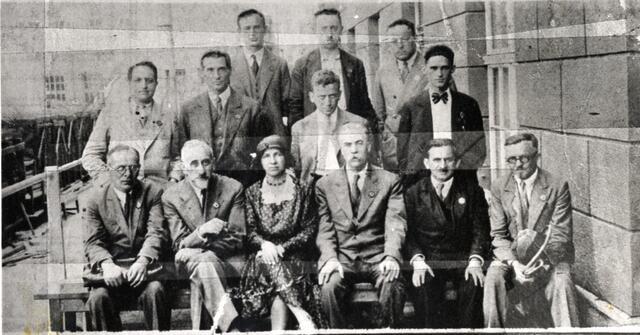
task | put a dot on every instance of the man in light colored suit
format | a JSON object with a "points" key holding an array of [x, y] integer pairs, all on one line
{"points": [[229, 121], [258, 72], [314, 146], [123, 220], [528, 206], [205, 215], [354, 97], [139, 122], [361, 232], [397, 80]]}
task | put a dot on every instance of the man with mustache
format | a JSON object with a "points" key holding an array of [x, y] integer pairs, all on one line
{"points": [[205, 215], [354, 97], [139, 122], [258, 72], [314, 146], [439, 112], [448, 241], [361, 232], [123, 220], [227, 120], [528, 204]]}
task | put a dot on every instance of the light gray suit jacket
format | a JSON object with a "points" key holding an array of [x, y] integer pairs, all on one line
{"points": [[380, 227], [304, 141], [272, 87]]}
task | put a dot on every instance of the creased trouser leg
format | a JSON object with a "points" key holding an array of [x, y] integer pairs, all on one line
{"points": [[155, 306], [104, 313], [494, 302], [560, 293], [207, 272]]}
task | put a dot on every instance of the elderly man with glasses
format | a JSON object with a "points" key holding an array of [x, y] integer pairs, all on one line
{"points": [[531, 231], [124, 221]]}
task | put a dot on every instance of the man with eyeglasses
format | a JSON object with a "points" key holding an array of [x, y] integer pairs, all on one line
{"points": [[123, 220], [531, 214], [205, 215], [138, 121]]}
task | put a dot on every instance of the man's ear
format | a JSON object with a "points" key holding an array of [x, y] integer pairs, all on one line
{"points": [[311, 96], [425, 162], [201, 75], [457, 163], [453, 69]]}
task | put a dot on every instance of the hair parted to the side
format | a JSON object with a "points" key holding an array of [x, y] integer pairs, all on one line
{"points": [[439, 50], [329, 11], [439, 143], [146, 63], [216, 54], [521, 137], [249, 12], [404, 22]]}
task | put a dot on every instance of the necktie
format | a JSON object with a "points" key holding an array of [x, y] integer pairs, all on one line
{"points": [[203, 193], [404, 70], [439, 188], [355, 194], [435, 97], [254, 66], [524, 203], [218, 105]]}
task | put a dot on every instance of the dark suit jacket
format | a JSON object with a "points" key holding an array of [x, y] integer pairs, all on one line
{"points": [[430, 231], [225, 201], [107, 233], [273, 84], [549, 205], [246, 126], [416, 130], [355, 86], [379, 229]]}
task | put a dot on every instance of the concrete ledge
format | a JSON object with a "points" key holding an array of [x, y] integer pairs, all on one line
{"points": [[608, 310]]}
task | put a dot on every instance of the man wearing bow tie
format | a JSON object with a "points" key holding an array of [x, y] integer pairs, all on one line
{"points": [[139, 122], [447, 242], [361, 231], [439, 112], [205, 215], [354, 97], [123, 220]]}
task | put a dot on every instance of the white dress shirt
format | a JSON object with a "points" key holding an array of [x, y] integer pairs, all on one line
{"points": [[224, 96], [198, 192], [363, 174], [326, 127], [528, 183], [445, 188], [441, 117], [122, 196], [259, 54], [331, 61], [409, 61]]}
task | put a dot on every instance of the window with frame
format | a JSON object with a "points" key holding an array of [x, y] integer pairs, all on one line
{"points": [[503, 114]]}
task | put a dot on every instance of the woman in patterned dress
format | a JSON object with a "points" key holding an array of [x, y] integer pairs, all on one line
{"points": [[281, 227]]}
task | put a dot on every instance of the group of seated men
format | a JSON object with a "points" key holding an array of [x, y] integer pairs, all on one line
{"points": [[168, 189]]}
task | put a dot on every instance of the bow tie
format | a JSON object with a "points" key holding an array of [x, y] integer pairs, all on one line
{"points": [[435, 97]]}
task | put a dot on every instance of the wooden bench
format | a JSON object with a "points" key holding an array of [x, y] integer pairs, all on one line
{"points": [[68, 299]]}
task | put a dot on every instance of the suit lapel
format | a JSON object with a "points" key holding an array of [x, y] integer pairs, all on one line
{"points": [[458, 201], [513, 202], [265, 73], [243, 72], [154, 125], [539, 197], [114, 203], [193, 209], [341, 191], [347, 72], [235, 115], [136, 207], [369, 192]]}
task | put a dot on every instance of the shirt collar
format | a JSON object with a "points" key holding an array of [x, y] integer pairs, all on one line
{"points": [[362, 173], [224, 96], [333, 118], [147, 106], [329, 55], [197, 191], [529, 181], [410, 61], [447, 185], [259, 54], [448, 91], [122, 196]]}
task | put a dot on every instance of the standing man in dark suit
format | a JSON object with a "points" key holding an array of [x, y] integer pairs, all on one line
{"points": [[439, 112], [528, 206], [397, 80], [229, 121], [361, 232], [258, 72], [124, 220], [205, 215], [448, 223], [354, 97]]}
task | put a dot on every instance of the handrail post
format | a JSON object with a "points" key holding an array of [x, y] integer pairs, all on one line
{"points": [[55, 242]]}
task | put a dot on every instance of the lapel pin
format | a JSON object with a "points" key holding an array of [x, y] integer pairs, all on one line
{"points": [[372, 194], [238, 116], [139, 204], [462, 201], [158, 123], [216, 205], [543, 197]]}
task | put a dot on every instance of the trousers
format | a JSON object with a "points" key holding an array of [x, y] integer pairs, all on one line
{"points": [[505, 300], [105, 303], [391, 295]]}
